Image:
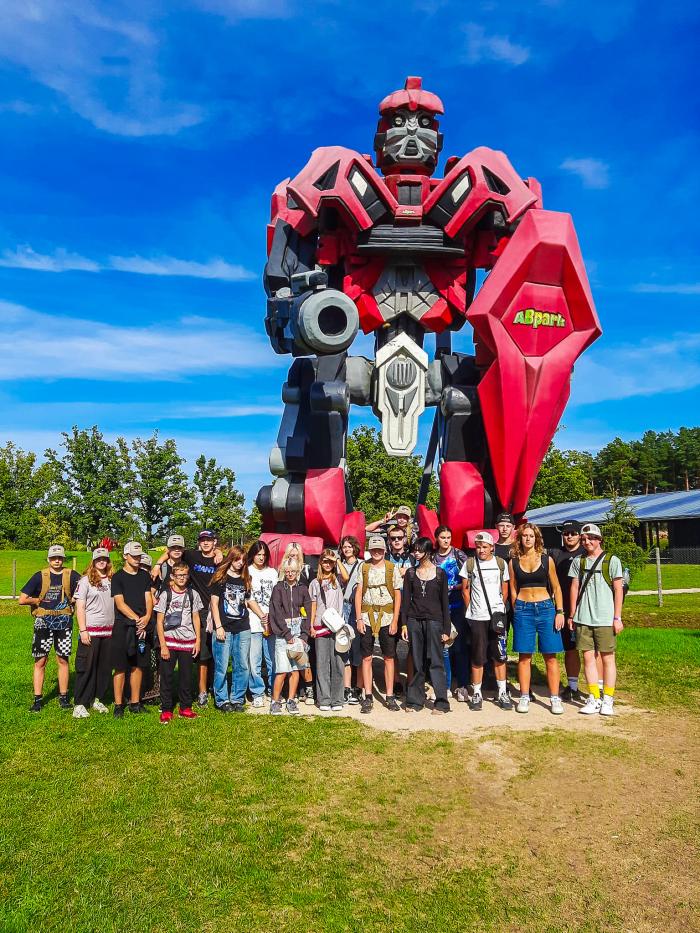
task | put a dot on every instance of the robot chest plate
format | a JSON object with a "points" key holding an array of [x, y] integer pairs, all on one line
{"points": [[404, 288]]}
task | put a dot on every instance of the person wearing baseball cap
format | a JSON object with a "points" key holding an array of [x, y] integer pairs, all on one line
{"points": [[563, 557], [94, 608], [400, 518], [596, 600], [505, 525], [132, 640], [50, 594]]}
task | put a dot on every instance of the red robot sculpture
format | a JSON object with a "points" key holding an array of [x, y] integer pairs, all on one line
{"points": [[396, 254]]}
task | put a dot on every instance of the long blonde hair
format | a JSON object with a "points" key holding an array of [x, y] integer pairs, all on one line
{"points": [[94, 577], [331, 574], [290, 553], [517, 549]]}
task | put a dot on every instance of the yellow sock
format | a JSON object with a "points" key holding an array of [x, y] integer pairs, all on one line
{"points": [[609, 691], [594, 690]]}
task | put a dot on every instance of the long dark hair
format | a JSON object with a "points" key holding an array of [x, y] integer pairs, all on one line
{"points": [[425, 545], [234, 554], [253, 551]]}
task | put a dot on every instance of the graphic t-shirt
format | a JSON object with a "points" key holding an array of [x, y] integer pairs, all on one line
{"points": [[563, 560], [133, 587], [178, 624], [202, 569], [99, 606], [232, 595], [597, 607], [54, 599], [491, 573], [451, 563], [262, 584], [326, 597]]}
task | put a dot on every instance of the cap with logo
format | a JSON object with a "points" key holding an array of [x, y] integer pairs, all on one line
{"points": [[483, 537], [593, 531], [177, 541], [100, 552], [343, 637], [133, 548], [505, 517], [572, 526], [57, 550], [146, 560], [403, 510], [205, 533], [376, 542]]}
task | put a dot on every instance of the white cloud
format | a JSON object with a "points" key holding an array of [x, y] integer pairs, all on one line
{"points": [[679, 288], [483, 47], [24, 257], [93, 349], [594, 173], [650, 367]]}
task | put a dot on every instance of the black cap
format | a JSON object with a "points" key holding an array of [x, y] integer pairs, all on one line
{"points": [[570, 525], [505, 517]]}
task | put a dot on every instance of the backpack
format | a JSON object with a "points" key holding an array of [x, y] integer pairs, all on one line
{"points": [[605, 570], [471, 564], [45, 585], [169, 599], [388, 577]]}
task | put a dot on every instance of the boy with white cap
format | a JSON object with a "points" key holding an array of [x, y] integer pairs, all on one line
{"points": [[131, 648], [50, 594], [596, 600]]}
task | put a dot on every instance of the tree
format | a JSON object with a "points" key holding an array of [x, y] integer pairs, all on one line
{"points": [[93, 485], [220, 506], [686, 448], [379, 482], [565, 476], [253, 527], [618, 532], [614, 468], [163, 498], [24, 491]]}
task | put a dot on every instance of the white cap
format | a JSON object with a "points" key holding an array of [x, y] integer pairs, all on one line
{"points": [[483, 537], [376, 541], [133, 548], [57, 550], [100, 552], [176, 541], [593, 531]]}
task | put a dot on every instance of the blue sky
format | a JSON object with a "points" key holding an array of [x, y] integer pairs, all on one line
{"points": [[141, 142]]}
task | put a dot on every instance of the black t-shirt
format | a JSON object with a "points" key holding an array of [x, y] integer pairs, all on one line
{"points": [[54, 598], [232, 595], [563, 560], [202, 569], [503, 550], [133, 587]]}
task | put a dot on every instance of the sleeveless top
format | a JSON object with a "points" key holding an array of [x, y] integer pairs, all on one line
{"points": [[525, 580]]}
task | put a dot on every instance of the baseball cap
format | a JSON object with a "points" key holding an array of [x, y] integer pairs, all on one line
{"points": [[205, 533], [100, 552], [570, 525], [376, 541], [133, 548], [484, 537], [505, 517], [176, 541], [56, 550], [403, 510], [593, 531], [343, 637], [146, 560]]}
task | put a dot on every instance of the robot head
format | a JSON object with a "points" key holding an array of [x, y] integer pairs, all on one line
{"points": [[408, 138]]}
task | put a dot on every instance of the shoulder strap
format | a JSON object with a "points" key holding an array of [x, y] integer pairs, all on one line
{"points": [[483, 589], [66, 583], [389, 576], [365, 577], [351, 579], [501, 566], [588, 574], [544, 557], [45, 583], [606, 570], [470, 566]]}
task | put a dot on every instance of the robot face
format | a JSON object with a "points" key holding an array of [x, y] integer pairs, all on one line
{"points": [[411, 138]]}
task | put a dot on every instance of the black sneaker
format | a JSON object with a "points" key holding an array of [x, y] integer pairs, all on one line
{"points": [[225, 707], [366, 704], [36, 705], [504, 701], [309, 696], [238, 707], [354, 697], [118, 710], [475, 703], [64, 701], [135, 708], [392, 705], [572, 696]]}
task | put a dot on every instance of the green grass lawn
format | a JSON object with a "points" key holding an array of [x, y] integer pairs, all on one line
{"points": [[258, 824], [673, 577], [681, 610], [28, 562]]}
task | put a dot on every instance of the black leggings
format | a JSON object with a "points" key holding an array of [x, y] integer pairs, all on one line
{"points": [[425, 640], [93, 671], [184, 662]]}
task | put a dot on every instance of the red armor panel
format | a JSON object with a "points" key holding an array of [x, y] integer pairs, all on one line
{"points": [[428, 521], [278, 545], [461, 499], [532, 318], [324, 503], [354, 524]]}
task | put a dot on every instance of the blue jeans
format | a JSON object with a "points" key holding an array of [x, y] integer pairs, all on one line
{"points": [[235, 648], [257, 684], [448, 666], [535, 621], [269, 655]]}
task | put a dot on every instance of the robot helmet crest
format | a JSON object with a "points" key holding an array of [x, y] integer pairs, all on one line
{"points": [[407, 137]]}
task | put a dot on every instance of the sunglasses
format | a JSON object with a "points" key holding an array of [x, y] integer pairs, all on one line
{"points": [[396, 537]]}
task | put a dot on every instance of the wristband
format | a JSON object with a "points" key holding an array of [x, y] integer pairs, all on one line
{"points": [[559, 612], [617, 619]]}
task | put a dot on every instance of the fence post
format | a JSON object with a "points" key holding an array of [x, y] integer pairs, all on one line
{"points": [[658, 576], [14, 579], [74, 562]]}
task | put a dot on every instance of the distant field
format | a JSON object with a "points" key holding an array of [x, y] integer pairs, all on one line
{"points": [[673, 577], [28, 562]]}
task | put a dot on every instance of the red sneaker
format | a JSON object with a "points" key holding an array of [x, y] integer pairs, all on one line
{"points": [[188, 713], [166, 716]]}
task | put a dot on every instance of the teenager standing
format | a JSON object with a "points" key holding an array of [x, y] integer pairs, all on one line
{"points": [[325, 593], [290, 613], [94, 609], [263, 578], [179, 629], [451, 560], [563, 558], [350, 569], [131, 648]]}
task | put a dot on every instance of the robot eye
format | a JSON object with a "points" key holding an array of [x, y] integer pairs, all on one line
{"points": [[425, 121], [399, 120]]}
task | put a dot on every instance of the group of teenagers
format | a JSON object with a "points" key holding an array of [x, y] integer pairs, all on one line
{"points": [[308, 631]]}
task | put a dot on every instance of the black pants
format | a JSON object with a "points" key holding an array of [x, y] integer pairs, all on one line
{"points": [[93, 671], [425, 641], [184, 662]]}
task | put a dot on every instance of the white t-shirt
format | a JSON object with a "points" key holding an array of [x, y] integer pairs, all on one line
{"points": [[262, 583], [492, 581], [99, 606]]}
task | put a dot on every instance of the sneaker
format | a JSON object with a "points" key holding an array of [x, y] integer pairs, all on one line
{"points": [[347, 694], [476, 702], [135, 708], [276, 708], [292, 707], [202, 700], [392, 705], [118, 710], [325, 708], [591, 707], [225, 707], [64, 702], [354, 697], [504, 701], [523, 704], [238, 707], [99, 707], [461, 695], [188, 713], [606, 707], [556, 706], [268, 693], [166, 716], [309, 696], [337, 708], [366, 704], [80, 712], [258, 702], [572, 696], [36, 706]]}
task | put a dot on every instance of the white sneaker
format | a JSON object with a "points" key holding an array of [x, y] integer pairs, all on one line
{"points": [[258, 702], [79, 712], [591, 707], [325, 708], [337, 708], [606, 707], [99, 707], [556, 706], [523, 704]]}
